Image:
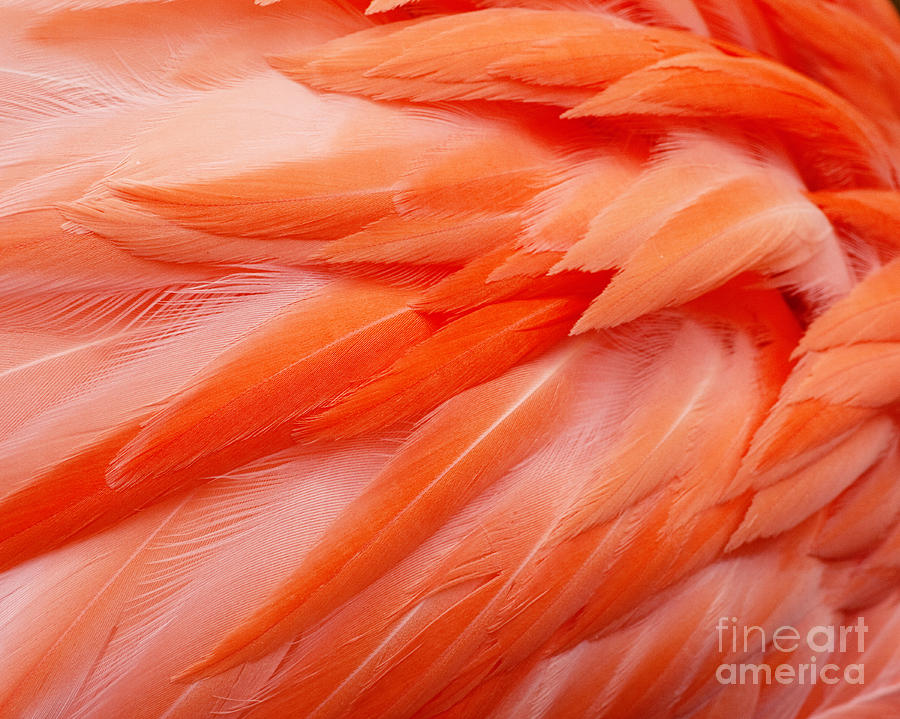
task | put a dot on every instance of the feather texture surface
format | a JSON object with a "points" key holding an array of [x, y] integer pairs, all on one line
{"points": [[459, 359]]}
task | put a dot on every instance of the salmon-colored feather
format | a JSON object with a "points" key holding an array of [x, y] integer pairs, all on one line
{"points": [[861, 515], [757, 91], [845, 375], [215, 423], [872, 214], [448, 461], [459, 359], [426, 240], [463, 353]]}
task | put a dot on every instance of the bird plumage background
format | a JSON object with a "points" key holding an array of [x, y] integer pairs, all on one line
{"points": [[452, 358]]}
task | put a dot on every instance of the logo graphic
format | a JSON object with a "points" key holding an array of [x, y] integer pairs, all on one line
{"points": [[819, 643]]}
